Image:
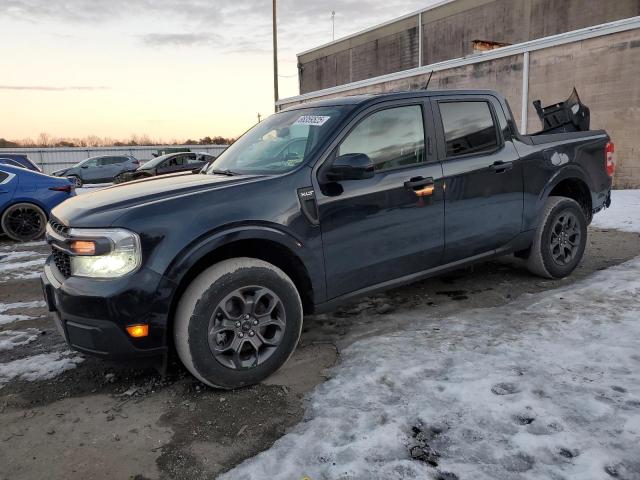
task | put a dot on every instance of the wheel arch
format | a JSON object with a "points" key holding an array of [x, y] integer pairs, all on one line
{"points": [[571, 182], [30, 201], [269, 245]]}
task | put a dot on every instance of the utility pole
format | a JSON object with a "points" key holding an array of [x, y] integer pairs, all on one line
{"points": [[275, 55], [333, 23]]}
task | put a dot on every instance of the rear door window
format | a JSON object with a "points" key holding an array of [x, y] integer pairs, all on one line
{"points": [[468, 127]]}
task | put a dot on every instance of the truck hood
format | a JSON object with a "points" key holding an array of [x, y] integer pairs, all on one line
{"points": [[102, 207]]}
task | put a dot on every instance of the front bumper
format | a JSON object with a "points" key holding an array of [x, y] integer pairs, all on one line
{"points": [[92, 315]]}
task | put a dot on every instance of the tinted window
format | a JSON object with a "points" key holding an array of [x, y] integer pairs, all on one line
{"points": [[468, 127], [175, 161], [105, 161], [391, 138], [8, 161], [91, 163], [194, 159], [3, 176], [120, 159]]}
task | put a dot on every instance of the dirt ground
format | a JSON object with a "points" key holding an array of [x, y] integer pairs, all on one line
{"points": [[102, 420]]}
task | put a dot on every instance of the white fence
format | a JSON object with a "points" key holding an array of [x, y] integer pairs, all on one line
{"points": [[52, 159]]}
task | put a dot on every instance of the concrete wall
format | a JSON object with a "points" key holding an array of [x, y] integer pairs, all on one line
{"points": [[605, 70], [447, 32]]}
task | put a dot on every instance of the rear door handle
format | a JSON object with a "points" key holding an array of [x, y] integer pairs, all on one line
{"points": [[500, 166], [422, 187]]}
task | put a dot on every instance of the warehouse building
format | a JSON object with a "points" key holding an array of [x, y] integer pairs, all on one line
{"points": [[526, 49]]}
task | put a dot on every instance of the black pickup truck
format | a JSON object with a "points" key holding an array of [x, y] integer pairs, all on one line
{"points": [[316, 205]]}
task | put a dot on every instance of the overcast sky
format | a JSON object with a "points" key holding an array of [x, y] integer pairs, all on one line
{"points": [[166, 68]]}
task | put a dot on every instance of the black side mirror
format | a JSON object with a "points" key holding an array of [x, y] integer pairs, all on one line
{"points": [[352, 166]]}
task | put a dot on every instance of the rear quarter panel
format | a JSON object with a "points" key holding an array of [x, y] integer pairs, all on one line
{"points": [[547, 164], [35, 188]]}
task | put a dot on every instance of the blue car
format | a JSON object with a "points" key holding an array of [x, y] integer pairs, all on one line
{"points": [[26, 200]]}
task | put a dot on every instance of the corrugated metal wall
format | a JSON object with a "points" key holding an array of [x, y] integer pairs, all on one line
{"points": [[52, 159]]}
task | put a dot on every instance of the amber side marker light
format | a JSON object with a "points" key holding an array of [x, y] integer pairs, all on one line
{"points": [[138, 331], [83, 247]]}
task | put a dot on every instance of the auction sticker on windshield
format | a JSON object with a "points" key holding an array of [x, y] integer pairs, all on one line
{"points": [[314, 120]]}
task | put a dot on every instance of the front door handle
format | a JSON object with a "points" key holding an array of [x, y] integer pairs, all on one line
{"points": [[422, 187], [501, 167]]}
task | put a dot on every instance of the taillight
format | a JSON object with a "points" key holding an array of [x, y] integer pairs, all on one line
{"points": [[136, 162], [63, 188], [610, 151]]}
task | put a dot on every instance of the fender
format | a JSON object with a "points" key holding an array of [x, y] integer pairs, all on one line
{"points": [[30, 200], [206, 244], [572, 171]]}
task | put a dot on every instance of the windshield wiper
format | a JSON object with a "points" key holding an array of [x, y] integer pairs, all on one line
{"points": [[228, 173]]}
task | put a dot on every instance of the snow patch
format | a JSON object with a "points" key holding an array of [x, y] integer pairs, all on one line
{"points": [[5, 307], [9, 339], [39, 367], [545, 387], [12, 246], [624, 213], [9, 266]]}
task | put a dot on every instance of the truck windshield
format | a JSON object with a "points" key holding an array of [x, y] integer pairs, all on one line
{"points": [[279, 144]]}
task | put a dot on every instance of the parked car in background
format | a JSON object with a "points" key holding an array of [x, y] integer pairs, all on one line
{"points": [[223, 266], [18, 159], [26, 200], [168, 150], [171, 163], [101, 169]]}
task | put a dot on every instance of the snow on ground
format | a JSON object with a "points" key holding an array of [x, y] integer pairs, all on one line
{"points": [[39, 367], [12, 246], [21, 265], [10, 318], [10, 339], [5, 267], [547, 387], [624, 213]]}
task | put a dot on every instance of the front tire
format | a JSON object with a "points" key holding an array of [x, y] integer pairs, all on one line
{"points": [[23, 222], [237, 323], [77, 181], [560, 239]]}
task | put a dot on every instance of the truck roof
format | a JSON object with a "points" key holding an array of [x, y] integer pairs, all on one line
{"points": [[359, 100]]}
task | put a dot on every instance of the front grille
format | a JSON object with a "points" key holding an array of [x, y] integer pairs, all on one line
{"points": [[62, 262], [59, 228]]}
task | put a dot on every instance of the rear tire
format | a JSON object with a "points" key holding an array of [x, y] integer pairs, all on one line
{"points": [[23, 222], [237, 323], [560, 239]]}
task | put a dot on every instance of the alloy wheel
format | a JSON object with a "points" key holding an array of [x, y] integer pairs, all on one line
{"points": [[565, 238], [246, 327], [24, 222]]}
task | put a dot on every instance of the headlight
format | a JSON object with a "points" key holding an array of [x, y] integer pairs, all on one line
{"points": [[104, 253]]}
